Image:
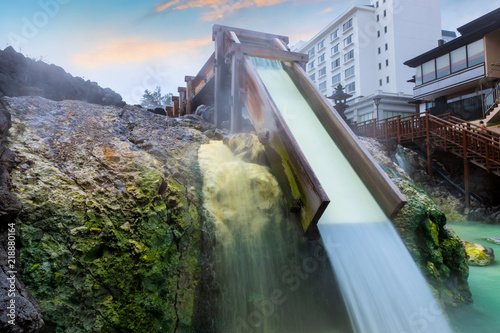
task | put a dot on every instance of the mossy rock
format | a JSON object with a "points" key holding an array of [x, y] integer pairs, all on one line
{"points": [[478, 254]]}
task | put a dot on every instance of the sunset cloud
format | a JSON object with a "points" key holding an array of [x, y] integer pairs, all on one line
{"points": [[218, 8], [133, 51]]}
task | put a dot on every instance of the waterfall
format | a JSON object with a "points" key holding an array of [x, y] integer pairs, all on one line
{"points": [[270, 278], [381, 285]]}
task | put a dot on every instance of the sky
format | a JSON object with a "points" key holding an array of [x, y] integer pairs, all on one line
{"points": [[131, 45]]}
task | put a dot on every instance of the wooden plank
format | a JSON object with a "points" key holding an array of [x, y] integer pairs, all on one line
{"points": [[378, 183], [235, 92], [300, 185], [248, 34], [268, 53]]}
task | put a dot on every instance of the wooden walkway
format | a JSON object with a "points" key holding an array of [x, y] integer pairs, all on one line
{"points": [[454, 135]]}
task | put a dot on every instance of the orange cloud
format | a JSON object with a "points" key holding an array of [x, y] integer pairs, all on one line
{"points": [[220, 8], [131, 51], [326, 11]]}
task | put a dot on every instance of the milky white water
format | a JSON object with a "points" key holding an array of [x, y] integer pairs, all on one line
{"points": [[382, 288]]}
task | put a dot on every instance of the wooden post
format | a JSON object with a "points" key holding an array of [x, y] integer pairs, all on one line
{"points": [[218, 37], [398, 124], [466, 171], [182, 99], [175, 99], [235, 92], [428, 138], [189, 94]]}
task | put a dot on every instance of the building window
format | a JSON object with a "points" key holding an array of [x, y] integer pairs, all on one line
{"points": [[311, 52], [385, 12], [442, 66], [322, 85], [379, 50], [312, 76], [386, 62], [458, 60], [349, 71], [378, 33], [385, 29], [418, 75], [475, 53], [349, 55], [310, 65], [350, 87], [386, 46], [336, 63], [322, 72], [336, 78], [379, 65], [380, 82], [348, 40], [384, 1], [321, 45], [347, 25], [429, 71], [387, 79], [376, 4], [378, 18], [321, 58], [366, 117], [334, 35], [335, 48]]}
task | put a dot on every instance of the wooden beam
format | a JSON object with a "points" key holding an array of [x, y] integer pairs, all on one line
{"points": [[219, 56], [248, 34], [235, 92], [268, 53]]}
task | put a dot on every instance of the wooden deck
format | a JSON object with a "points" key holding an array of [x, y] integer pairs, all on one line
{"points": [[454, 135]]}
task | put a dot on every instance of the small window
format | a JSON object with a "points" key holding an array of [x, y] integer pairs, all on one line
{"points": [[378, 18], [321, 58], [334, 34], [322, 85], [336, 63], [378, 33], [429, 71], [376, 4], [386, 46], [442, 66], [379, 50], [387, 79], [385, 12], [386, 62], [349, 55], [310, 65], [349, 71], [385, 29], [418, 75], [350, 87], [380, 82], [379, 66], [458, 60], [322, 72], [475, 52], [335, 49], [348, 40], [336, 79], [347, 25], [321, 45], [311, 52], [312, 76]]}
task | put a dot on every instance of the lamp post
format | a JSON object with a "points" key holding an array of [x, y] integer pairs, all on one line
{"points": [[340, 98], [376, 100]]}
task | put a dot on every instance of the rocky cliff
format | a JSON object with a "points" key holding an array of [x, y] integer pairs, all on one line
{"points": [[22, 76], [109, 233]]}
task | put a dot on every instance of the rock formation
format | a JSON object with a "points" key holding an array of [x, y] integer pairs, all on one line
{"points": [[21, 76], [110, 229]]}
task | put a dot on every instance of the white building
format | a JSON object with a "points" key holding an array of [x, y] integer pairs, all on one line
{"points": [[364, 49]]}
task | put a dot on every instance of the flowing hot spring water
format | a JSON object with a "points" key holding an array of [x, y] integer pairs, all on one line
{"points": [[381, 285]]}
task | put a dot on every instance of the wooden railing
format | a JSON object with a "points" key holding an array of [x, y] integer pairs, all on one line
{"points": [[450, 133]]}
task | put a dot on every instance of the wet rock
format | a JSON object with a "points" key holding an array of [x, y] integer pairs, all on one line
{"points": [[478, 254], [206, 112], [107, 216]]}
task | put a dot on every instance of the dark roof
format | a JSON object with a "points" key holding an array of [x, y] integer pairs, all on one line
{"points": [[448, 33], [470, 32]]}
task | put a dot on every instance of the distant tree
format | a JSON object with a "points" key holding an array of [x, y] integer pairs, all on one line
{"points": [[155, 99]]}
